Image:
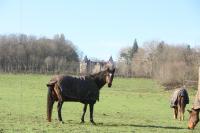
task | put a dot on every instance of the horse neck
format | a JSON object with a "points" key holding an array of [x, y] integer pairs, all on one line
{"points": [[100, 79], [198, 111]]}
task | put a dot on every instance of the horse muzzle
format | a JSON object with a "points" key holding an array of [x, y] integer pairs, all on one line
{"points": [[191, 126], [109, 85]]}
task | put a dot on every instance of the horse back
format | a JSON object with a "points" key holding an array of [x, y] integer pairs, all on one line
{"points": [[179, 94], [184, 96], [79, 89]]}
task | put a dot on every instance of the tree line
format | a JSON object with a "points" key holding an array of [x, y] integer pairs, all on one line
{"points": [[170, 64], [22, 53]]}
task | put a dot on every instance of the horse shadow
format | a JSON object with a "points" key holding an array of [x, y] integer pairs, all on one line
{"points": [[142, 126], [131, 125]]}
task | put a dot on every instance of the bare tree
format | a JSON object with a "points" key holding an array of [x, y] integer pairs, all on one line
{"points": [[169, 64], [22, 53]]}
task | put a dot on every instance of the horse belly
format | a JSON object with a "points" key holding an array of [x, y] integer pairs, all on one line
{"points": [[71, 99], [79, 90]]}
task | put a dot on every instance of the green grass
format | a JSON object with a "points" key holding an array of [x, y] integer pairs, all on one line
{"points": [[131, 105]]}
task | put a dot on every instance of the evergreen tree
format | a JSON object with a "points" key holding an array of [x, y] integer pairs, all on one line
{"points": [[134, 49], [111, 59]]}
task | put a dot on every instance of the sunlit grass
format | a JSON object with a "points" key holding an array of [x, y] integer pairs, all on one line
{"points": [[131, 105]]}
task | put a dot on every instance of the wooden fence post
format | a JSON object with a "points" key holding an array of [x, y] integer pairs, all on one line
{"points": [[199, 80], [196, 104]]}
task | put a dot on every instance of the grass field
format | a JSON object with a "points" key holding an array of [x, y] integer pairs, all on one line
{"points": [[131, 105]]}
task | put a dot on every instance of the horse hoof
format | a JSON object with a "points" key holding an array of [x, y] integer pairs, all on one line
{"points": [[93, 123], [62, 122], [82, 122]]}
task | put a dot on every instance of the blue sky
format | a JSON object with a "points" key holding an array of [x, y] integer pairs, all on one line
{"points": [[100, 28]]}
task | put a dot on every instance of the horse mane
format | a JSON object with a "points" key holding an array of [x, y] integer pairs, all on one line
{"points": [[97, 75], [99, 78]]}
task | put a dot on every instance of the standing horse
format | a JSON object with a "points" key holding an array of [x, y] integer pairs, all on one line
{"points": [[83, 89], [179, 100]]}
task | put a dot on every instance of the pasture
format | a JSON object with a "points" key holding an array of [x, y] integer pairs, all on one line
{"points": [[131, 105]]}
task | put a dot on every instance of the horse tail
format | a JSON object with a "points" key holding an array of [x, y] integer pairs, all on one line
{"points": [[181, 107], [50, 102]]}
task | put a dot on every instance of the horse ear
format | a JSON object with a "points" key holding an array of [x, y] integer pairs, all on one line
{"points": [[189, 111]]}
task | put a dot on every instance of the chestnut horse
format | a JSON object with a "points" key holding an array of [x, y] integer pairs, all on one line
{"points": [[193, 118], [178, 101], [194, 112], [82, 89]]}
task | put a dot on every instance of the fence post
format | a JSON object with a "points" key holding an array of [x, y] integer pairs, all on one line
{"points": [[196, 104], [199, 80]]}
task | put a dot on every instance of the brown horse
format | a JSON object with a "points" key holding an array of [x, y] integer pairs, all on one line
{"points": [[194, 112], [82, 89], [178, 101], [193, 118]]}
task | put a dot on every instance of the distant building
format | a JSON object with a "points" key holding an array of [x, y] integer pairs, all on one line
{"points": [[88, 66]]}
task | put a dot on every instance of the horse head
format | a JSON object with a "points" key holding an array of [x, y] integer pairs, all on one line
{"points": [[110, 72], [109, 76], [193, 118]]}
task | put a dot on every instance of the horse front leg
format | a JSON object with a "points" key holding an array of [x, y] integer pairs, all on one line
{"points": [[59, 107], [91, 114], [84, 111]]}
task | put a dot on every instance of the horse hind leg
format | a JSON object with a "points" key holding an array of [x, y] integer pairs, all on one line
{"points": [[50, 102], [182, 108], [175, 112], [183, 111], [60, 101]]}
